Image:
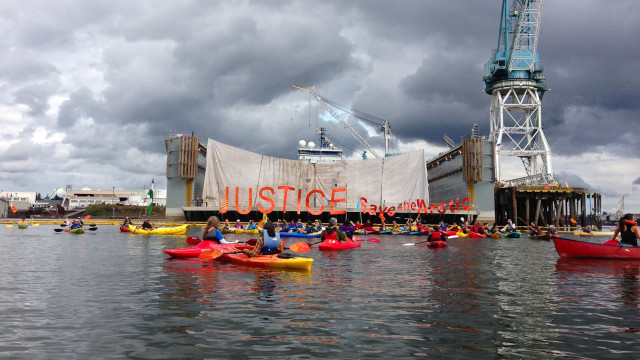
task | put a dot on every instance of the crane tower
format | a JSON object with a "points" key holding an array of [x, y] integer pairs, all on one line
{"points": [[513, 77]]}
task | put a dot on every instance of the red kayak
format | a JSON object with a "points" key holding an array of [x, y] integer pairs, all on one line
{"points": [[449, 232], [437, 244], [192, 252], [475, 235], [331, 244], [580, 249], [124, 229]]}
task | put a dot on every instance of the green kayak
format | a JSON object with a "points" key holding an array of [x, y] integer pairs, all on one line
{"points": [[77, 231], [22, 226]]}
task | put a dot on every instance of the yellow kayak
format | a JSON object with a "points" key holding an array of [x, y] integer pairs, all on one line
{"points": [[252, 231], [236, 231], [173, 230], [461, 234]]}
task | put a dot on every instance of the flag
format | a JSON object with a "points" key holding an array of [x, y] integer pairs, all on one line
{"points": [[13, 208], [150, 193]]}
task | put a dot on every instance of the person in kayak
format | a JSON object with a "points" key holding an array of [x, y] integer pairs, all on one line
{"points": [[479, 229], [348, 227], [22, 222], [509, 227], [551, 230], [76, 224], [252, 225], [534, 229], [146, 225], [211, 231], [126, 222], [268, 243], [332, 232], [628, 230]]}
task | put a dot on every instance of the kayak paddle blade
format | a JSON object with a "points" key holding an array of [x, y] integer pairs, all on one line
{"points": [[374, 240], [92, 229], [193, 240], [251, 242], [300, 247], [409, 244], [58, 230], [209, 254]]}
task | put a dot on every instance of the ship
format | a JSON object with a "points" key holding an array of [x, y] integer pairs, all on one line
{"points": [[325, 151]]}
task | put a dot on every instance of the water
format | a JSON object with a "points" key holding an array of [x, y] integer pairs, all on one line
{"points": [[107, 294]]}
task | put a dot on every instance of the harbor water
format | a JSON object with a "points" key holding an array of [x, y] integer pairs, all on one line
{"points": [[110, 295]]}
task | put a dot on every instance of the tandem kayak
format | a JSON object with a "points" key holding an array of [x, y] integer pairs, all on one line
{"points": [[173, 230], [77, 231], [332, 244], [191, 252], [567, 248], [300, 235], [281, 261]]}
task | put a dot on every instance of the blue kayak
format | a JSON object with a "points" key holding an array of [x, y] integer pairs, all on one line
{"points": [[300, 235]]}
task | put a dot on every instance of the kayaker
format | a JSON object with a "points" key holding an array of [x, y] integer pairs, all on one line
{"points": [[586, 229], [534, 229], [332, 232], [348, 228], [479, 229], [509, 227], [76, 224], [318, 225], [212, 232], [66, 221], [252, 225], [23, 222], [628, 230], [309, 229], [239, 224], [268, 243], [551, 230], [126, 222], [284, 227], [146, 225], [226, 224], [495, 229], [395, 226]]}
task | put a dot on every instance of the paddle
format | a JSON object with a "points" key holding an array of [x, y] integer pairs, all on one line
{"points": [[422, 242], [373, 240], [63, 230]]}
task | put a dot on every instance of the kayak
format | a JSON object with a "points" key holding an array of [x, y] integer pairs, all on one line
{"points": [[540, 237], [173, 230], [449, 232], [252, 231], [402, 232], [22, 226], [581, 249], [437, 244], [331, 244], [236, 231], [77, 231], [496, 236], [124, 229], [415, 233], [191, 252], [385, 231], [301, 235], [475, 235], [593, 233], [461, 234], [282, 261], [514, 234]]}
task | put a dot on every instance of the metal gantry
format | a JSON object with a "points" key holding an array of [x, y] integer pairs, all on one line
{"points": [[513, 77]]}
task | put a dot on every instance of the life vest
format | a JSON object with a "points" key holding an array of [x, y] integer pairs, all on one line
{"points": [[270, 245], [630, 222], [213, 235], [331, 236], [436, 235]]}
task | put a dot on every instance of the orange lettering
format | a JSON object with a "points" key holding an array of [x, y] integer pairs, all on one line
{"points": [[224, 204], [334, 200], [451, 206], [270, 200], [307, 202], [391, 211], [442, 208], [298, 203], [286, 193], [244, 212], [465, 201]]}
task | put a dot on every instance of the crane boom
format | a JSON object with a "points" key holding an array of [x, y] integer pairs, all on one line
{"points": [[341, 120]]}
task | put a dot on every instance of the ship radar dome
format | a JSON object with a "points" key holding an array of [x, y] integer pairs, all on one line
{"points": [[302, 143], [312, 144]]}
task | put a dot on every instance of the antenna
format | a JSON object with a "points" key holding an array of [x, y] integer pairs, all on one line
{"points": [[449, 142]]}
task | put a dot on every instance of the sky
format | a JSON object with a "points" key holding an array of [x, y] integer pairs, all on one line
{"points": [[90, 90]]}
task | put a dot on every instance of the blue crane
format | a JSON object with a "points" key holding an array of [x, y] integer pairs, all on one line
{"points": [[516, 57], [513, 77]]}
